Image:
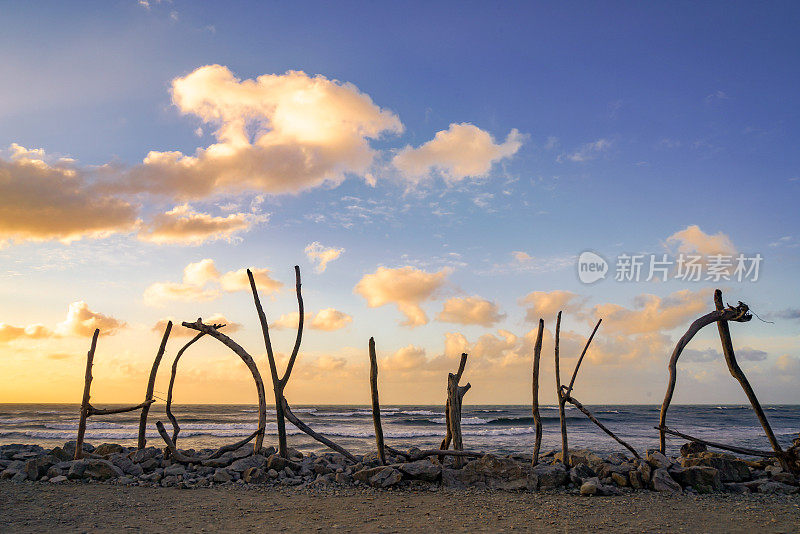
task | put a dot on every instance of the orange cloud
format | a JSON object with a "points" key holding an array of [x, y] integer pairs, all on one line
{"points": [[461, 151], [41, 201], [327, 320], [202, 282], [407, 358], [184, 225], [81, 321], [322, 255], [544, 304], [405, 287], [12, 333], [277, 133], [693, 240], [470, 310]]}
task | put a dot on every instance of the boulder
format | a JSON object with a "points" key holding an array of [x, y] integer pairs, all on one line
{"points": [[579, 456], [364, 475], [76, 469], [636, 479], [658, 460], [222, 475], [777, 487], [421, 470], [343, 478], [141, 455], [730, 469], [255, 460], [101, 470], [579, 473], [662, 481], [106, 449], [591, 486], [693, 447], [69, 448], [278, 463], [60, 453], [58, 479], [254, 475], [702, 479], [784, 478], [616, 458], [549, 476], [619, 480], [388, 476], [174, 470]]}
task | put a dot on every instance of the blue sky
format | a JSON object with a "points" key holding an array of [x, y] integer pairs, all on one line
{"points": [[634, 122]]}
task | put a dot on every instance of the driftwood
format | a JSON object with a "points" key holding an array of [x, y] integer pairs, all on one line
{"points": [[376, 405], [212, 331], [732, 448], [87, 410], [172, 419], [151, 382], [455, 396], [562, 400], [537, 420], [565, 396], [178, 456], [740, 313], [319, 437]]}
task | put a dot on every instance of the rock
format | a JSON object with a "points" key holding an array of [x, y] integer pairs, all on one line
{"points": [[578, 456], [57, 479], [422, 470], [773, 469], [736, 487], [784, 478], [61, 454], [321, 469], [76, 469], [693, 447], [222, 475], [777, 487], [579, 473], [364, 475], [294, 454], [101, 470], [549, 476], [149, 464], [591, 486], [702, 479], [636, 480], [730, 469], [646, 470], [343, 478], [9, 473], [658, 460], [272, 473], [254, 475], [662, 481], [496, 472], [266, 452], [294, 481], [279, 463], [106, 449], [388, 476], [174, 470], [69, 448], [148, 453], [256, 460], [616, 458], [619, 480]]}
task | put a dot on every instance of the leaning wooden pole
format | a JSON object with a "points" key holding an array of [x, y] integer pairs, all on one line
{"points": [[562, 398], [85, 406], [537, 420], [151, 383], [376, 405], [738, 374]]}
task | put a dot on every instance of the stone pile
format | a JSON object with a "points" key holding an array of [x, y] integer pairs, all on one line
{"points": [[696, 471]]}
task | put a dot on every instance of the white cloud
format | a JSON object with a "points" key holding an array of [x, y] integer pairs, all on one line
{"points": [[470, 311], [693, 240], [326, 320], [81, 321], [321, 255], [405, 287], [184, 226], [586, 152], [462, 151]]}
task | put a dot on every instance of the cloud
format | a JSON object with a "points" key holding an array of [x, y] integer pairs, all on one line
{"points": [[327, 320], [406, 287], [470, 310], [202, 282], [181, 331], [44, 201], [407, 358], [692, 240], [708, 355], [461, 151], [788, 313], [322, 255], [544, 304], [184, 226], [81, 321], [586, 152], [12, 333], [277, 133], [652, 314]]}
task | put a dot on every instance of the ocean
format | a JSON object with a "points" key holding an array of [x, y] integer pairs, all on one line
{"points": [[497, 429]]}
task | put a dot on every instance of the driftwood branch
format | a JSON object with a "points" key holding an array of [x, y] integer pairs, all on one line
{"points": [[376, 406], [732, 448], [85, 406], [561, 397], [172, 419], [537, 420], [319, 437], [583, 353], [738, 374], [212, 331], [455, 395], [124, 409], [594, 420], [448, 437], [739, 313], [178, 456], [151, 382]]}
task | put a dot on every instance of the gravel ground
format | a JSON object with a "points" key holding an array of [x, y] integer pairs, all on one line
{"points": [[43, 507]]}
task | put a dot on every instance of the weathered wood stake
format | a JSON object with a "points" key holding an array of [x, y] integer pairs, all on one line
{"points": [[151, 382], [537, 420], [562, 399], [85, 406], [376, 405]]}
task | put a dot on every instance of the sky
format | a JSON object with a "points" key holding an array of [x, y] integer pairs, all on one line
{"points": [[440, 173]]}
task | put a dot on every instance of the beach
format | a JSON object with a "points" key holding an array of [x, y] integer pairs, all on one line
{"points": [[78, 507]]}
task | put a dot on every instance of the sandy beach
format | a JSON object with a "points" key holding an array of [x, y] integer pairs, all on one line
{"points": [[41, 507]]}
